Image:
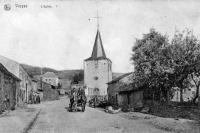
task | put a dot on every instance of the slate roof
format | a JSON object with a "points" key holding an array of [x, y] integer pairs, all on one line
{"points": [[126, 88], [118, 78], [98, 52], [3, 69]]}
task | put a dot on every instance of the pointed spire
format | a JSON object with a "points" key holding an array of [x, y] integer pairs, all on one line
{"points": [[98, 50]]}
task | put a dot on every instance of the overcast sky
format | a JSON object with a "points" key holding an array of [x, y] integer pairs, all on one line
{"points": [[61, 37]]}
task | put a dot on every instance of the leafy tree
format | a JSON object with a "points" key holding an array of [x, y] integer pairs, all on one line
{"points": [[151, 64], [195, 77], [161, 65], [185, 52], [78, 77]]}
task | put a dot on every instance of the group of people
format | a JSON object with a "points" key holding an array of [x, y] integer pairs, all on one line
{"points": [[77, 99], [34, 99]]}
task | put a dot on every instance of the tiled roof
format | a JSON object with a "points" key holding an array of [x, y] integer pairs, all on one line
{"points": [[50, 75]]}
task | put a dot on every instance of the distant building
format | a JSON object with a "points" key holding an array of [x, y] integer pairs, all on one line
{"points": [[47, 91], [25, 85], [9, 85], [97, 70], [34, 85], [65, 84], [51, 78], [121, 92]]}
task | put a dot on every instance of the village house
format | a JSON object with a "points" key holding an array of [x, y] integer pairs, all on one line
{"points": [[122, 93], [47, 92], [9, 84], [66, 85], [51, 78], [34, 85], [25, 85]]}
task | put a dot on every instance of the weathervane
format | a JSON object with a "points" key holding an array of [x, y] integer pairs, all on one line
{"points": [[97, 17]]}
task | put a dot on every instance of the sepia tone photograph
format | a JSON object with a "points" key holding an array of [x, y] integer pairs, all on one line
{"points": [[99, 66]]}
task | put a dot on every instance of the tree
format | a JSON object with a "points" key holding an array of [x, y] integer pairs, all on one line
{"points": [[78, 77], [162, 65], [150, 58], [185, 52]]}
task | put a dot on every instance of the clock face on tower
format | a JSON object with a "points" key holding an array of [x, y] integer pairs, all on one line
{"points": [[96, 78]]}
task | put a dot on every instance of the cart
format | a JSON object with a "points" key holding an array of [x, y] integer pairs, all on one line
{"points": [[77, 100]]}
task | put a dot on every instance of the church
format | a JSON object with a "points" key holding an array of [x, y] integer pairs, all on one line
{"points": [[97, 70]]}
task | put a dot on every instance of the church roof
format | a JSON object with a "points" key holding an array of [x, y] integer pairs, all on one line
{"points": [[98, 52]]}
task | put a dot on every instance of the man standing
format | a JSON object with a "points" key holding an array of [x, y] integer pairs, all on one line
{"points": [[71, 99]]}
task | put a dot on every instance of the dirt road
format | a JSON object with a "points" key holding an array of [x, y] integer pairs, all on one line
{"points": [[54, 118]]}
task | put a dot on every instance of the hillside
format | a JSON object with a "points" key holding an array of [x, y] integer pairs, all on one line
{"points": [[64, 74], [35, 70], [68, 74]]}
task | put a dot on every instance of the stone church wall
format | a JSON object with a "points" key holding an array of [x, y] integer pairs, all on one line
{"points": [[97, 73]]}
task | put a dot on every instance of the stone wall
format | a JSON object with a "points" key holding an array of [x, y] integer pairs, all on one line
{"points": [[8, 87], [49, 92], [131, 99], [126, 98], [113, 93], [25, 84]]}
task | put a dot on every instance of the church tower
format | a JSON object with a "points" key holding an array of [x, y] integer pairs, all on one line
{"points": [[97, 70]]}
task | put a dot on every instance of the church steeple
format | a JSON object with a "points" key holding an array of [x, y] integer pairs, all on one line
{"points": [[98, 50]]}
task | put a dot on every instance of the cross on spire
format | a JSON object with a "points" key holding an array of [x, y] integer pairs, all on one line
{"points": [[97, 17]]}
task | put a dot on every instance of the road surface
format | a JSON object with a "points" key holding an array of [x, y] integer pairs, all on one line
{"points": [[54, 118]]}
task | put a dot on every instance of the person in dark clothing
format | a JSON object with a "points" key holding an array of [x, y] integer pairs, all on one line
{"points": [[37, 99], [71, 99]]}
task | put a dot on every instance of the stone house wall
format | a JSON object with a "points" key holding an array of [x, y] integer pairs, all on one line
{"points": [[49, 92], [25, 85], [113, 93], [8, 88], [131, 99], [121, 92]]}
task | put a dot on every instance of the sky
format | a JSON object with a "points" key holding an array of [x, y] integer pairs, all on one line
{"points": [[62, 36]]}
